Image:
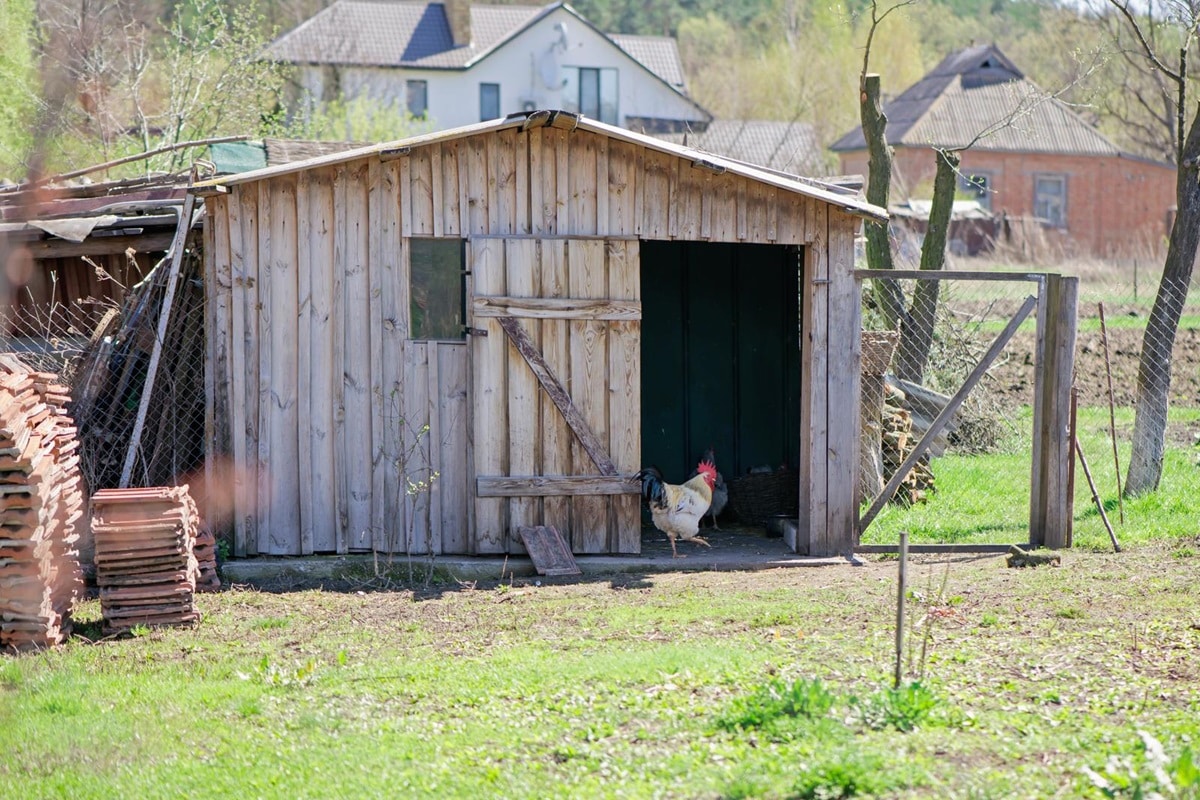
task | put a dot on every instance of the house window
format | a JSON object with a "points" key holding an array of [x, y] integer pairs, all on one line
{"points": [[976, 186], [489, 101], [591, 92], [417, 95], [1050, 199], [436, 288]]}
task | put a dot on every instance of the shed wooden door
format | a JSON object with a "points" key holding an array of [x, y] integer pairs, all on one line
{"points": [[556, 391]]}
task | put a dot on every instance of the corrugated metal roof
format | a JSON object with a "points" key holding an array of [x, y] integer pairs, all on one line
{"points": [[659, 54], [790, 147], [808, 187], [977, 89]]}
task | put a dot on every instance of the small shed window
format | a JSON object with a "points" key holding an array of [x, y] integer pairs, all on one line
{"points": [[436, 291], [1050, 199], [417, 95], [489, 101]]}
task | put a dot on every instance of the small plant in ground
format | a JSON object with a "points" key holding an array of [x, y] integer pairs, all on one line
{"points": [[777, 699], [903, 708], [273, 674], [848, 774], [1149, 775]]}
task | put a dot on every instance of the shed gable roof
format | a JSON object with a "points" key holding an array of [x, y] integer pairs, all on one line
{"points": [[834, 195], [977, 89]]}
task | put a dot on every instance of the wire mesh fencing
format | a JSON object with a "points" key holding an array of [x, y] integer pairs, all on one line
{"points": [[975, 485], [959, 386], [103, 350]]}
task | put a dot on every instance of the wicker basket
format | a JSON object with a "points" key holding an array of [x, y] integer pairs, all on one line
{"points": [[877, 350], [757, 497]]}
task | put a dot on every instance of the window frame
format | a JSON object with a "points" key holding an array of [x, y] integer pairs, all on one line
{"points": [[410, 85], [1042, 199], [484, 116], [968, 183], [412, 333], [608, 92]]}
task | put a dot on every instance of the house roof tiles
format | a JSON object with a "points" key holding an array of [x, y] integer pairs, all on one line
{"points": [[976, 91], [391, 33], [789, 147]]}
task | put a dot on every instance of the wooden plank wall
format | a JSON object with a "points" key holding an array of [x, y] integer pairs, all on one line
{"points": [[68, 296], [519, 432], [830, 320], [321, 371], [332, 410]]}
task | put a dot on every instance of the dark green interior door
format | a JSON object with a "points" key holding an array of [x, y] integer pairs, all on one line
{"points": [[720, 356]]}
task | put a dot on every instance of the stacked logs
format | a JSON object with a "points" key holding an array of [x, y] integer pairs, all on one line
{"points": [[42, 501], [898, 442], [146, 564]]}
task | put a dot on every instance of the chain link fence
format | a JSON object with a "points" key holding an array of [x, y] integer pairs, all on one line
{"points": [[976, 487], [102, 349]]}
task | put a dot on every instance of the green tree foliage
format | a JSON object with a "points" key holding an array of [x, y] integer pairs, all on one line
{"points": [[122, 77], [18, 81], [360, 119], [800, 59]]}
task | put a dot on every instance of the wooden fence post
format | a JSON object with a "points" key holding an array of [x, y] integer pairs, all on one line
{"points": [[1050, 504]]}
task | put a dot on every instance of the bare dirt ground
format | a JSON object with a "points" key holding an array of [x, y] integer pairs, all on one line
{"points": [[1013, 378]]}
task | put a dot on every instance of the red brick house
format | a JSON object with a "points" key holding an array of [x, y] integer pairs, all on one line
{"points": [[1047, 163]]}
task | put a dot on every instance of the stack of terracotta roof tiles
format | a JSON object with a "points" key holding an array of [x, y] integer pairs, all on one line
{"points": [[41, 500], [146, 565]]}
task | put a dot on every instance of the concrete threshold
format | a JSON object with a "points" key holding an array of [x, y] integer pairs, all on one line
{"points": [[316, 571]]}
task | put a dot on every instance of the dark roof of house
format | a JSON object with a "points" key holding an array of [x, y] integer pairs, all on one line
{"points": [[979, 89], [395, 33], [789, 147]]}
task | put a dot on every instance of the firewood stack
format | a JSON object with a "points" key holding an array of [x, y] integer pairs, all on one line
{"points": [[42, 500], [146, 565], [898, 442]]}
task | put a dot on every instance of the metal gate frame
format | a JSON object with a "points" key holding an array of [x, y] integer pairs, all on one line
{"points": [[1051, 482]]}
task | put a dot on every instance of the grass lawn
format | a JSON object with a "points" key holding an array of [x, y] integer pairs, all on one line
{"points": [[985, 498], [697, 685]]}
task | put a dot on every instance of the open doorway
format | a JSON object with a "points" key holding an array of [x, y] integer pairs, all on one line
{"points": [[720, 356]]}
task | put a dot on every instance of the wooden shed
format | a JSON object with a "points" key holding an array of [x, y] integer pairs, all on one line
{"points": [[422, 345]]}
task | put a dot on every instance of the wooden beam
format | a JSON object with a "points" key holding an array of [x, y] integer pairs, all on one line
{"points": [[177, 246], [943, 418], [1051, 506], [557, 308], [583, 432], [554, 485], [928, 275], [100, 245], [939, 548]]}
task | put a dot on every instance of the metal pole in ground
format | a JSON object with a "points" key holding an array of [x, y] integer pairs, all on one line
{"points": [[902, 590], [1096, 497], [1112, 414]]}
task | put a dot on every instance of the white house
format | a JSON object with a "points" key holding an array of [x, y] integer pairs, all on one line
{"points": [[458, 64]]}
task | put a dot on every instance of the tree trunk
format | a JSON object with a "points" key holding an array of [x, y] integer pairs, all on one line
{"points": [[913, 355], [888, 294], [1154, 367]]}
